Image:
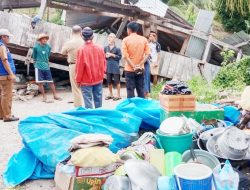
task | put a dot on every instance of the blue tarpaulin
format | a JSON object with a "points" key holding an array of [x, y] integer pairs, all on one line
{"points": [[46, 139], [148, 110]]}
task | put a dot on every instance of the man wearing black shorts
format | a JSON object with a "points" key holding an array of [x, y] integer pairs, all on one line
{"points": [[113, 56]]}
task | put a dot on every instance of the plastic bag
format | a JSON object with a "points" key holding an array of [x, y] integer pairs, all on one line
{"points": [[226, 178], [147, 110], [47, 139]]}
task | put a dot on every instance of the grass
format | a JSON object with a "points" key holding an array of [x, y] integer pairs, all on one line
{"points": [[155, 90]]}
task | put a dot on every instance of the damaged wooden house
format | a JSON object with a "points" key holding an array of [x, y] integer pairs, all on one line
{"points": [[186, 50]]}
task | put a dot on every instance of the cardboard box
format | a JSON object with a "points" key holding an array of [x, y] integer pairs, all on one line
{"points": [[69, 182], [97, 171], [177, 102]]}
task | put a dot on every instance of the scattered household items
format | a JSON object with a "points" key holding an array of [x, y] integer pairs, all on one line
{"points": [[193, 176], [245, 103], [66, 181], [172, 159], [206, 135], [93, 157], [142, 174], [117, 183], [51, 135], [245, 120], [175, 87], [202, 157], [90, 140], [226, 178], [175, 143], [175, 126], [157, 159], [167, 183], [232, 143], [139, 152]]}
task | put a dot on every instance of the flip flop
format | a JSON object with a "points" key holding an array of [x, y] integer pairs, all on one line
{"points": [[117, 98], [109, 98]]}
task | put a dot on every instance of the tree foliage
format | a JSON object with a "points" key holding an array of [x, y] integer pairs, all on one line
{"points": [[234, 14]]}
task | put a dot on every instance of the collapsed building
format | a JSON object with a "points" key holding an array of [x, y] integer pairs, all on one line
{"points": [[186, 50]]}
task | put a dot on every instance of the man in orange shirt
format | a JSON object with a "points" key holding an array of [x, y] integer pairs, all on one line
{"points": [[136, 51]]}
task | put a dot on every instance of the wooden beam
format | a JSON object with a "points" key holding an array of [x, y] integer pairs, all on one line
{"points": [[239, 56], [184, 46], [52, 65], [122, 26], [207, 48], [169, 31], [42, 8], [242, 44]]}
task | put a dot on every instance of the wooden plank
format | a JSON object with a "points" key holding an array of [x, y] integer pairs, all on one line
{"points": [[207, 50], [184, 46], [164, 67], [52, 65], [122, 26], [42, 8]]}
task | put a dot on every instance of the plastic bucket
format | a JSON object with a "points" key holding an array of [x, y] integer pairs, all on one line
{"points": [[176, 143], [172, 159], [193, 176]]}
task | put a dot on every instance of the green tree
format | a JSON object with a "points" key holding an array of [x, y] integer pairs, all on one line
{"points": [[234, 14]]}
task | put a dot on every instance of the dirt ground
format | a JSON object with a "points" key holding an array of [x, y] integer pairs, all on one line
{"points": [[11, 140]]}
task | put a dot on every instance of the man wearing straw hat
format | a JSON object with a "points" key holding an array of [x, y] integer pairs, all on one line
{"points": [[41, 53], [7, 77]]}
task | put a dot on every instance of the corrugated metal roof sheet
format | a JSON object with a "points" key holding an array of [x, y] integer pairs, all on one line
{"points": [[196, 46], [155, 7], [237, 38]]}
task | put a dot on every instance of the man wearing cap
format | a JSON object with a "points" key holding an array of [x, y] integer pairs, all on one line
{"points": [[70, 49], [41, 53], [113, 56], [135, 50], [90, 69], [7, 77]]}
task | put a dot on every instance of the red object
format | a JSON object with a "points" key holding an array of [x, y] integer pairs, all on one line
{"points": [[90, 64]]}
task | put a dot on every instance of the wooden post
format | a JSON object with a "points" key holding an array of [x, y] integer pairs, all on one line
{"points": [[122, 26], [207, 48], [42, 8], [239, 55], [184, 45]]}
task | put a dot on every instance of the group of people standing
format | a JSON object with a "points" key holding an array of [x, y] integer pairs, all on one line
{"points": [[88, 64]]}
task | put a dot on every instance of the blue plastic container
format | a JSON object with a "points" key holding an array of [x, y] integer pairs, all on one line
{"points": [[192, 176]]}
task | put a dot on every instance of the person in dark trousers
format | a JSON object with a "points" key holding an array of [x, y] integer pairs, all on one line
{"points": [[136, 51], [90, 70], [113, 56], [41, 53], [7, 77]]}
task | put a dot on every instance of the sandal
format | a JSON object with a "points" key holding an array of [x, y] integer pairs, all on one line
{"points": [[109, 98], [117, 98]]}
